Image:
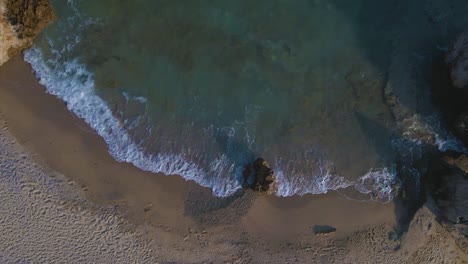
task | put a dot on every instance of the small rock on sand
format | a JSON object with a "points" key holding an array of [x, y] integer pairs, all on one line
{"points": [[323, 229]]}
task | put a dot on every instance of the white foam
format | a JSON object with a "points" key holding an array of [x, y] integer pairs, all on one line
{"points": [[288, 186], [140, 99], [72, 83], [377, 182], [429, 131]]}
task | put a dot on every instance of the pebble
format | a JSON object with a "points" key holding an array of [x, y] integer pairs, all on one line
{"points": [[147, 207]]}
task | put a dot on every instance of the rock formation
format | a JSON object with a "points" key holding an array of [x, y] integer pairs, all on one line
{"points": [[448, 189], [461, 126], [20, 21], [457, 59], [447, 178], [258, 176], [452, 94]]}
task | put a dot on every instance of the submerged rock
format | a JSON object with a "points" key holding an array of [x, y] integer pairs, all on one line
{"points": [[20, 22], [258, 176]]}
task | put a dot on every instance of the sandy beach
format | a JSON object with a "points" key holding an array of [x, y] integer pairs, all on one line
{"points": [[56, 172]]}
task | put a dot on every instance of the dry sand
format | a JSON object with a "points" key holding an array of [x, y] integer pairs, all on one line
{"points": [[44, 219], [64, 199]]}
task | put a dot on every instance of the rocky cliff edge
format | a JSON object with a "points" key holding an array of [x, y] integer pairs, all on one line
{"points": [[20, 22]]}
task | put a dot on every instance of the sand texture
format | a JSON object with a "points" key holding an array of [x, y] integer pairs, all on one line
{"points": [[44, 219]]}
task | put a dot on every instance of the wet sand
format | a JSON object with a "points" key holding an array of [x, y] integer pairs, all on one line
{"points": [[183, 222]]}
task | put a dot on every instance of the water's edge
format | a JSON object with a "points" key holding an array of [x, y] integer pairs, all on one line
{"points": [[75, 86]]}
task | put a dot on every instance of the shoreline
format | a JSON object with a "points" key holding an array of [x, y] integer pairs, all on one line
{"points": [[39, 109], [180, 218]]}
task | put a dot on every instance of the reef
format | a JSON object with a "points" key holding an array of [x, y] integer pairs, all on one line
{"points": [[20, 22]]}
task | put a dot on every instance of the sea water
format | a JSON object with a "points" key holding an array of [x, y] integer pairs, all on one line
{"points": [[200, 88]]}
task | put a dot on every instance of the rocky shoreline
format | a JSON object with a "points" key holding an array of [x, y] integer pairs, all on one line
{"points": [[20, 22], [455, 107], [441, 184], [448, 181]]}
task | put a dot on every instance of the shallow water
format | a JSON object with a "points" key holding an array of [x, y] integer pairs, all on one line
{"points": [[200, 88]]}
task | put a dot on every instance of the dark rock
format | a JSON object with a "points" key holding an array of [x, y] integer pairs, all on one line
{"points": [[460, 127], [446, 182], [450, 88], [258, 176], [448, 194], [449, 188], [410, 194], [323, 229], [457, 59]]}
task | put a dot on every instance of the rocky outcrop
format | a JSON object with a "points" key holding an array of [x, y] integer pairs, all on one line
{"points": [[446, 181], [258, 176], [448, 195], [457, 59], [461, 126], [450, 89], [20, 21], [448, 187]]}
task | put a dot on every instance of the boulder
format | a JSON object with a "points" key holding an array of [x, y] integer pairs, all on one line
{"points": [[258, 176]]}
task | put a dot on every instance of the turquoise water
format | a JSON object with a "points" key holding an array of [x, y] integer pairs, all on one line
{"points": [[200, 88]]}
